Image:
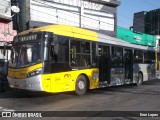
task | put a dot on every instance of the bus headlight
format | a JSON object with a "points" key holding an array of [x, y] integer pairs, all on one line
{"points": [[34, 72]]}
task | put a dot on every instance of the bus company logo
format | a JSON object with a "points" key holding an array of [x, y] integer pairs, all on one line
{"points": [[67, 76], [6, 114]]}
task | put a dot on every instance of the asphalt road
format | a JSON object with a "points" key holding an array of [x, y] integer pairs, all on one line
{"points": [[121, 98]]}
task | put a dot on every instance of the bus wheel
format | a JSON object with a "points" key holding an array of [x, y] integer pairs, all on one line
{"points": [[81, 85], [140, 79]]}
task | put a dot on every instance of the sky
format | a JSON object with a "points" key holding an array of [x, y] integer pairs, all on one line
{"points": [[127, 9]]}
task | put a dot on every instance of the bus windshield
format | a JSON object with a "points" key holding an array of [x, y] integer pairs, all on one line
{"points": [[25, 54]]}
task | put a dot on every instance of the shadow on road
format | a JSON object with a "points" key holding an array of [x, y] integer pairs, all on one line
{"points": [[123, 89], [107, 91]]}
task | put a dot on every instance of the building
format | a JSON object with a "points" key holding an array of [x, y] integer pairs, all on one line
{"points": [[139, 21], [147, 22], [6, 30], [98, 15]]}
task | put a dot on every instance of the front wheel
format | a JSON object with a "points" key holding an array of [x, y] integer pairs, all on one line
{"points": [[81, 85], [140, 79]]}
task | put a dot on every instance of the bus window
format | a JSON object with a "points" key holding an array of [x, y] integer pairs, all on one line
{"points": [[25, 54], [14, 56], [80, 54], [60, 50], [94, 55], [34, 52], [146, 57], [149, 57], [153, 57], [53, 54], [138, 56], [117, 57]]}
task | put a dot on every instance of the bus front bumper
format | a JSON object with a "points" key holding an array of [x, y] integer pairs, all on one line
{"points": [[31, 84]]}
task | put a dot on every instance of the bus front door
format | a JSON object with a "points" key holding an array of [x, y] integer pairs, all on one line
{"points": [[128, 61], [104, 69]]}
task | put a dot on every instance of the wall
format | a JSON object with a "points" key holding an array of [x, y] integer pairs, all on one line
{"points": [[6, 31], [5, 9], [6, 35]]}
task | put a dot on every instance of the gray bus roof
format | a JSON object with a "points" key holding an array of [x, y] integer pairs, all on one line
{"points": [[114, 41]]}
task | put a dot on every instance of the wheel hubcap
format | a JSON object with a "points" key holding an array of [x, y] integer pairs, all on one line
{"points": [[81, 85]]}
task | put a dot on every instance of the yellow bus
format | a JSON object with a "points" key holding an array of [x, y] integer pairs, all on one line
{"points": [[60, 58]]}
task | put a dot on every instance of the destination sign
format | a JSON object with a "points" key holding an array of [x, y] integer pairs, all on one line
{"points": [[28, 37]]}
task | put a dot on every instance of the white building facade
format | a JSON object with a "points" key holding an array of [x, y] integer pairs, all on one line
{"points": [[98, 15]]}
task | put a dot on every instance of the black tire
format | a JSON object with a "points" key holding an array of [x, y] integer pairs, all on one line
{"points": [[81, 85], [140, 79]]}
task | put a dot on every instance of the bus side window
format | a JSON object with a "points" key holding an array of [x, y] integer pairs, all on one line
{"points": [[94, 55], [60, 50], [73, 55], [80, 54], [117, 57], [138, 56], [53, 54], [23, 56]]}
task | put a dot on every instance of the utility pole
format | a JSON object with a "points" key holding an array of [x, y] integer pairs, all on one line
{"points": [[15, 19]]}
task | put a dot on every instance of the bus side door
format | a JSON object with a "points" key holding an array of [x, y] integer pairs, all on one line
{"points": [[117, 66], [128, 62], [103, 62]]}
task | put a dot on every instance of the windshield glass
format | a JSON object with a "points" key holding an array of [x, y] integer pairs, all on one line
{"points": [[25, 54]]}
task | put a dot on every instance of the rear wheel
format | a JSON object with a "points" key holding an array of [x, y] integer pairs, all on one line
{"points": [[140, 79], [81, 85]]}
